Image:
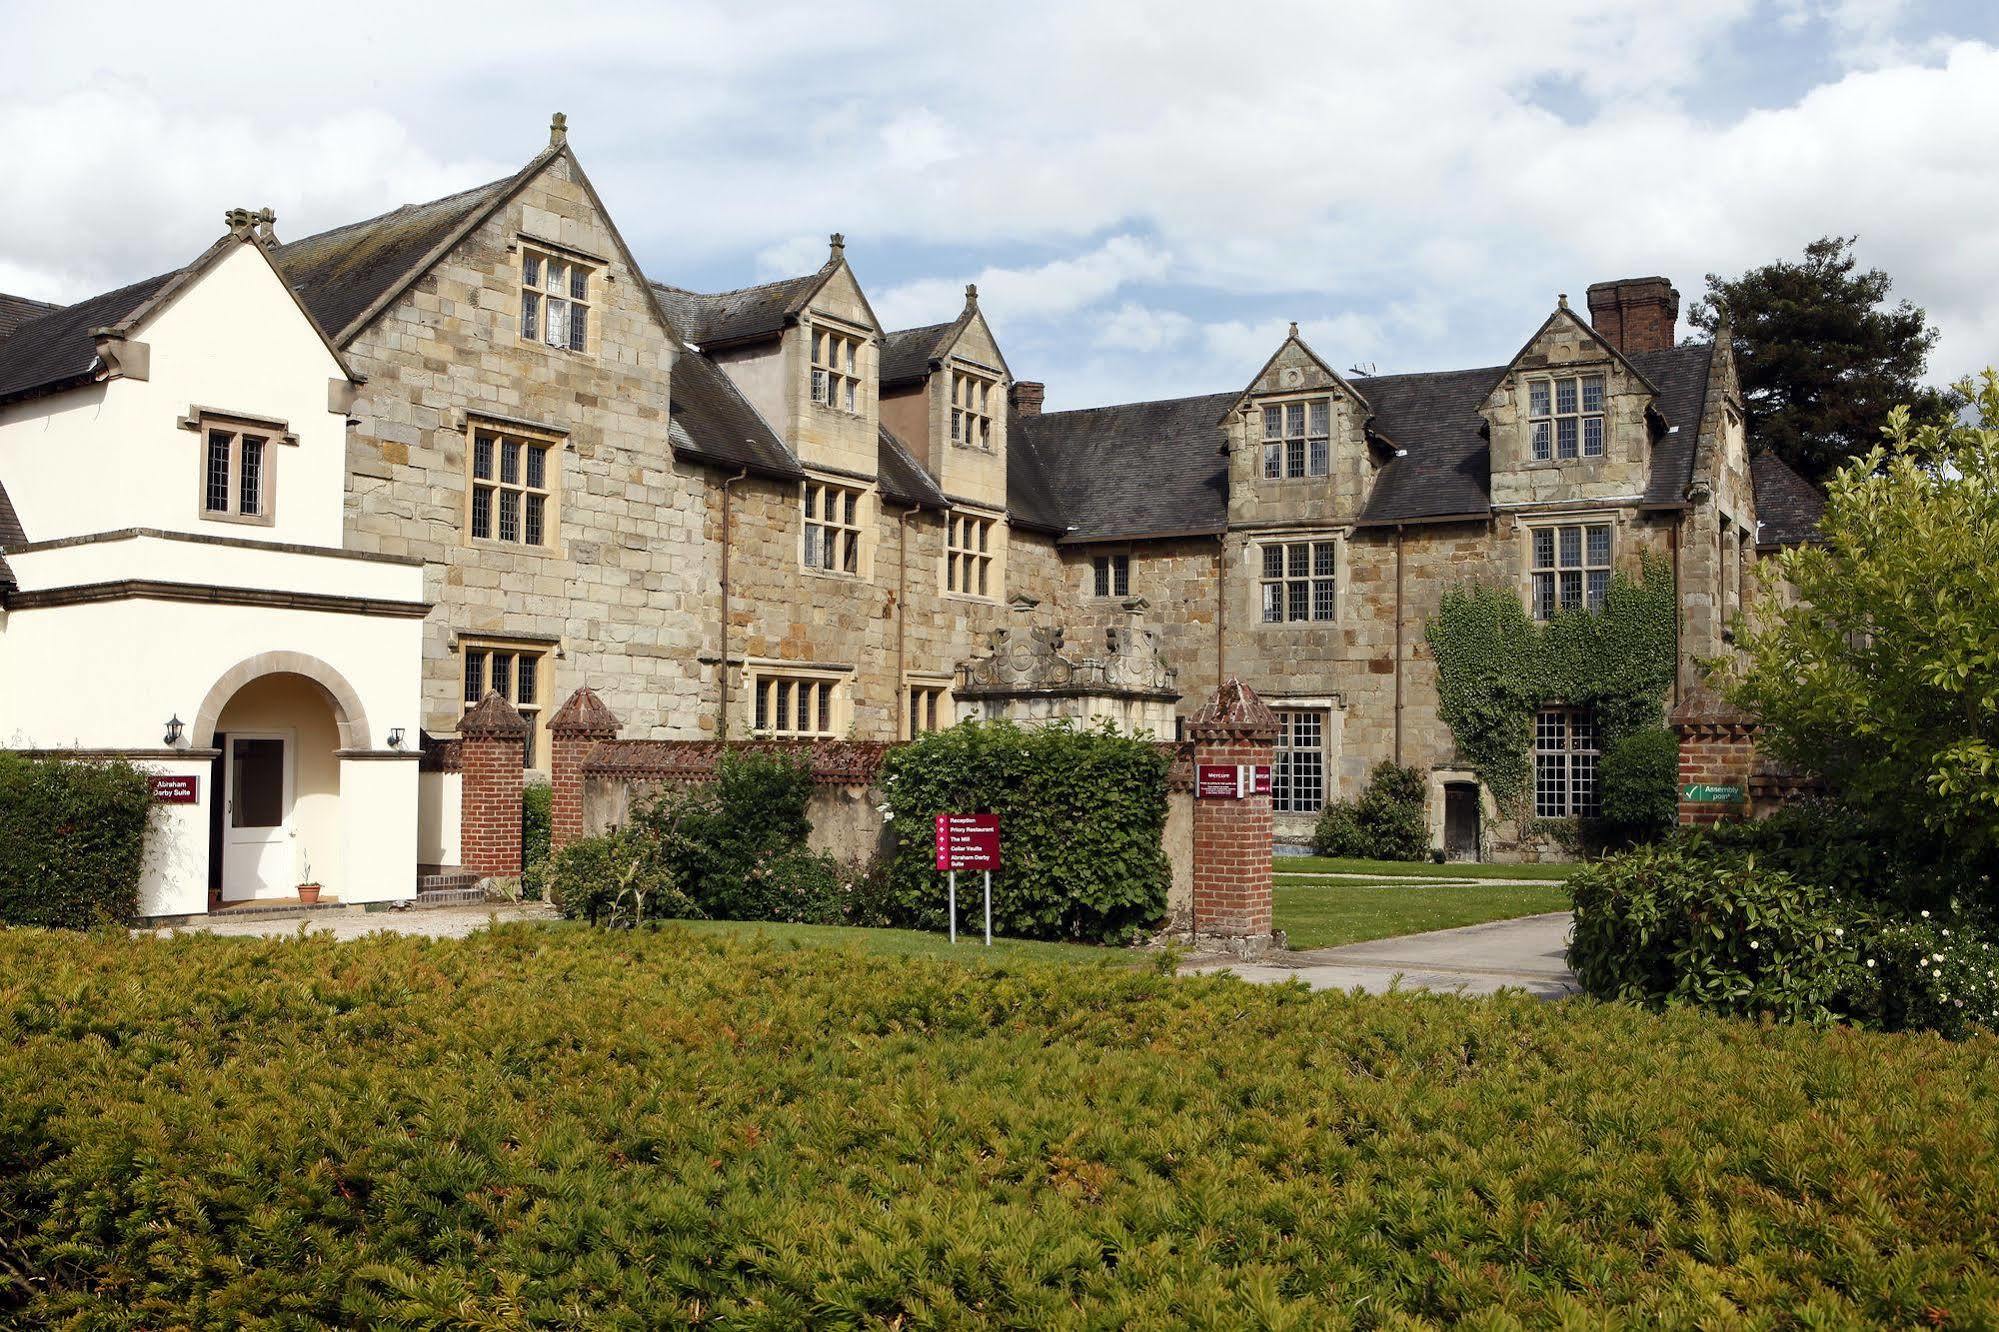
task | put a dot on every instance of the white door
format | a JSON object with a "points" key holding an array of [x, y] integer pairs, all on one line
{"points": [[257, 816]]}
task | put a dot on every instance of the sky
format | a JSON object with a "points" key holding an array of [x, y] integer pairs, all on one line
{"points": [[1146, 193]]}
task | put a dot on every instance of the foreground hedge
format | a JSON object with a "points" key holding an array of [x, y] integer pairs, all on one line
{"points": [[562, 1127], [72, 840]]}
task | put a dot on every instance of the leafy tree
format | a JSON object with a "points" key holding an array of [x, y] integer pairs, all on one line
{"points": [[1883, 678], [1822, 356]]}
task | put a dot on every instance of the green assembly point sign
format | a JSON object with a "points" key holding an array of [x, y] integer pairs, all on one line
{"points": [[1701, 794]]}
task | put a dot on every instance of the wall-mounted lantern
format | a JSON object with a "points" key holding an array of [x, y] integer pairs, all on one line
{"points": [[174, 731], [395, 737]]}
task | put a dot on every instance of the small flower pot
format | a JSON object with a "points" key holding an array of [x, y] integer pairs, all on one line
{"points": [[308, 893]]}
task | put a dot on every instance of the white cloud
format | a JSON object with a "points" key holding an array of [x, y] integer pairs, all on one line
{"points": [[1142, 201]]}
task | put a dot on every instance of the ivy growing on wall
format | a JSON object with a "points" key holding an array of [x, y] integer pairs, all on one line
{"points": [[1496, 668]]}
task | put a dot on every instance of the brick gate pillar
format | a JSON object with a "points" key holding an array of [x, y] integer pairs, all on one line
{"points": [[1232, 836], [493, 743], [572, 733], [1717, 758]]}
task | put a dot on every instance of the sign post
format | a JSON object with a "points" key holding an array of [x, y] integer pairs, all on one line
{"points": [[968, 841]]}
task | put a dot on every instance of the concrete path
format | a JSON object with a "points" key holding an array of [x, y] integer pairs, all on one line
{"points": [[1524, 954], [453, 922]]}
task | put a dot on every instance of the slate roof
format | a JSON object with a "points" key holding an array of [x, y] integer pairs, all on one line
{"points": [[10, 535], [902, 479], [907, 352], [1447, 467], [18, 310], [340, 273], [1135, 470], [713, 422], [1788, 507], [710, 319], [1030, 495], [58, 349]]}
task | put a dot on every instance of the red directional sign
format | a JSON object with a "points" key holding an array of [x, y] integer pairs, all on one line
{"points": [[1231, 781], [968, 842]]}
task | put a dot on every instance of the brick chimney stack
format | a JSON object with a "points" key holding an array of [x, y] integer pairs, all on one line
{"points": [[1026, 397], [1635, 314]]}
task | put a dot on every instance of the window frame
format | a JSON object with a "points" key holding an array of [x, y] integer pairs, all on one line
{"points": [[529, 440], [238, 430], [532, 322], [841, 377], [1110, 575], [535, 710], [1576, 789], [1309, 578], [845, 532], [927, 705], [970, 398], [962, 559], [1284, 774], [1592, 593], [1547, 411], [1276, 455], [771, 686]]}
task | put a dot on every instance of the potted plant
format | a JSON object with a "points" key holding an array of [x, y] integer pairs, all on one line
{"points": [[308, 889]]}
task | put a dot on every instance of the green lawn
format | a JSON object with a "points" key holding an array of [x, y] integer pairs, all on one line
{"points": [[913, 943], [1323, 913], [539, 1127], [1398, 869]]}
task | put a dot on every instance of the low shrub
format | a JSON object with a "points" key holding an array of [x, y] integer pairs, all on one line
{"points": [[1081, 814], [720, 841], [1639, 784], [543, 1126], [1385, 822], [1932, 973], [1664, 926], [615, 878], [72, 840]]}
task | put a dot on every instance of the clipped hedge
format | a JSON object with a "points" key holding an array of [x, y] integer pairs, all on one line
{"points": [[556, 1127], [72, 840], [1081, 816]]}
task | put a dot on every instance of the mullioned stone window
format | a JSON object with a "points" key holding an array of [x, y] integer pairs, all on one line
{"points": [[1300, 581], [832, 527], [516, 672], [787, 704], [836, 380], [972, 399], [1298, 777], [1571, 568], [1565, 759], [1297, 439], [968, 555], [555, 300], [512, 487], [1565, 417]]}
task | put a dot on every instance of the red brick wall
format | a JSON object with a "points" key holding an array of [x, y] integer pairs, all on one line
{"points": [[489, 834], [1715, 756], [566, 754], [1232, 850]]}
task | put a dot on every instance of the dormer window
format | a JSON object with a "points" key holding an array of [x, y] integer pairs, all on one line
{"points": [[836, 379], [1565, 417], [555, 300], [971, 410], [236, 481], [1297, 439]]}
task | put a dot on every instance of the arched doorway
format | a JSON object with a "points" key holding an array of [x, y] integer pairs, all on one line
{"points": [[279, 724]]}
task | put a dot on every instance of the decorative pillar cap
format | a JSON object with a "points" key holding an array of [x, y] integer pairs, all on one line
{"points": [[558, 130], [1234, 712], [584, 715], [1703, 707], [493, 718]]}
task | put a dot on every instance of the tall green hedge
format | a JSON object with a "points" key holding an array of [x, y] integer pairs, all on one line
{"points": [[1081, 814], [72, 840]]}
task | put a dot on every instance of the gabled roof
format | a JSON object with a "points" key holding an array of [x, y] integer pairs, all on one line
{"points": [[908, 352], [349, 273], [18, 310], [902, 479], [1318, 360], [1788, 507], [712, 422], [1141, 469], [59, 348], [1562, 311], [1445, 464], [10, 535], [711, 319]]}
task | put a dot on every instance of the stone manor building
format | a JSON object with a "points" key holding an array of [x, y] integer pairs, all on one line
{"points": [[760, 511]]}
